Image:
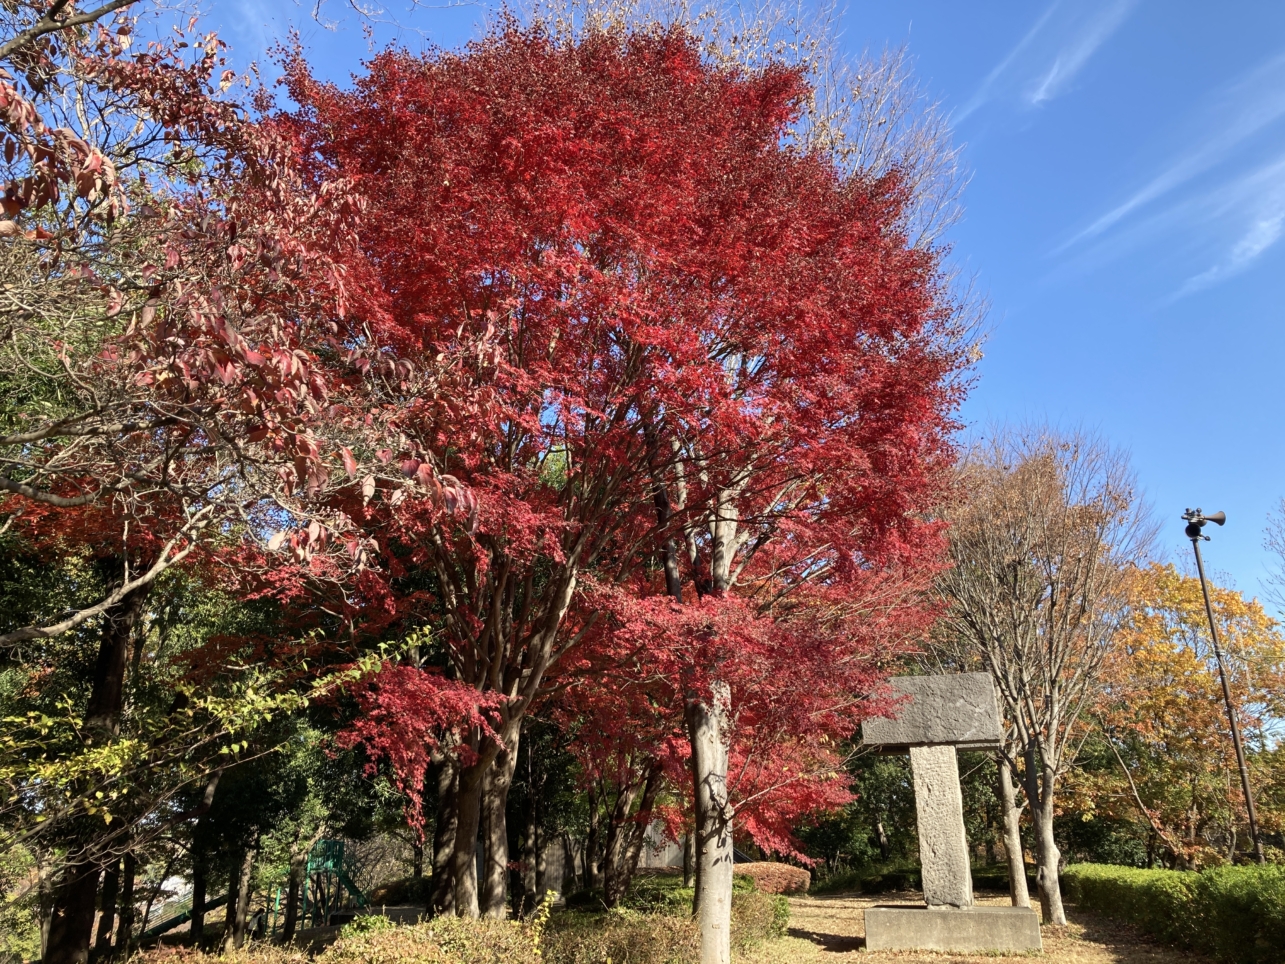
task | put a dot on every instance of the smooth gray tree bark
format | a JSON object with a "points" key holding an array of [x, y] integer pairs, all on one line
{"points": [[707, 725], [1017, 888]]}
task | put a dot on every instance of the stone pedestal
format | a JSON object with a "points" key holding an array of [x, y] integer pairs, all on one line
{"points": [[937, 715], [943, 844], [962, 930]]}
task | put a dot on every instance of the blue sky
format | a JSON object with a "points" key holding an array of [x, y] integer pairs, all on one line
{"points": [[1125, 219]]}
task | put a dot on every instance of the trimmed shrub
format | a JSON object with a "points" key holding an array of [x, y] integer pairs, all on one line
{"points": [[995, 877], [254, 954], [757, 917], [776, 878], [1234, 914], [621, 934], [664, 933], [446, 940]]}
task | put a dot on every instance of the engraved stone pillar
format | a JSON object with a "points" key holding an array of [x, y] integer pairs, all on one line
{"points": [[943, 845], [936, 716]]}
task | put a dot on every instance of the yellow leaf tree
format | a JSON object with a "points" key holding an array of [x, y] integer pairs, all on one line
{"points": [[1165, 721]]}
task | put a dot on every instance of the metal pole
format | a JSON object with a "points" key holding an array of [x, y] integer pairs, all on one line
{"points": [[1231, 713]]}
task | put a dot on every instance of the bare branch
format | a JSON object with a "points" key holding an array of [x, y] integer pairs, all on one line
{"points": [[50, 23]]}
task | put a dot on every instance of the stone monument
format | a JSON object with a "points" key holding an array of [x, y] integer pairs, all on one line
{"points": [[941, 715]]}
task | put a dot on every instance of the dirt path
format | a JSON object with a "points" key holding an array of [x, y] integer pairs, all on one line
{"points": [[829, 930]]}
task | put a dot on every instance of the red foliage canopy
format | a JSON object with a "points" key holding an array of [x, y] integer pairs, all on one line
{"points": [[696, 363], [405, 715]]}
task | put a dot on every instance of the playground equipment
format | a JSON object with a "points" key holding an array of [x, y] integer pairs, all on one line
{"points": [[329, 888]]}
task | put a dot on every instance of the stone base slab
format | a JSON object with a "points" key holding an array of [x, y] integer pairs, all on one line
{"points": [[963, 929]]}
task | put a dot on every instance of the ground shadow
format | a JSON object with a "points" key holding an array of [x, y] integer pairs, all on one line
{"points": [[1116, 936], [835, 943]]}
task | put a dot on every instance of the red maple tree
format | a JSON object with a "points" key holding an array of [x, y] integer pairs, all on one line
{"points": [[703, 372]]}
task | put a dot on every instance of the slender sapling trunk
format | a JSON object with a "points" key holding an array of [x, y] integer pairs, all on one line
{"points": [[1017, 888]]}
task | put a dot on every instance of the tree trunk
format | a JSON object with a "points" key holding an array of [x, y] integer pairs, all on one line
{"points": [[638, 834], [71, 925], [1017, 888], [593, 875], [448, 776], [243, 895], [568, 865], [614, 882], [881, 836], [1047, 874], [712, 906], [1040, 785], [238, 902], [625, 836], [417, 859], [227, 941], [294, 890], [530, 854], [199, 896], [468, 811], [493, 901], [541, 869], [689, 860], [125, 928], [108, 694], [107, 909]]}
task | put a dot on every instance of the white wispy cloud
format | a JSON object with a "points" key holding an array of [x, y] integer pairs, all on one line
{"points": [[1045, 61], [1256, 204], [983, 93], [1245, 108], [1070, 60]]}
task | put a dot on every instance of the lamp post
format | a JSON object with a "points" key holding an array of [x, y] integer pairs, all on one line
{"points": [[1195, 522]]}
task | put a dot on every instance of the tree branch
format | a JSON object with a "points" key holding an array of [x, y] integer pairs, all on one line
{"points": [[48, 24]]}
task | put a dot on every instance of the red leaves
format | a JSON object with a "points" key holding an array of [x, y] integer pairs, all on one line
{"points": [[598, 287], [406, 714]]}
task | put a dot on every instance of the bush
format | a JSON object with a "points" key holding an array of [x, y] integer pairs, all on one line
{"points": [[1234, 914], [776, 878], [446, 940], [757, 917], [875, 879], [660, 894], [367, 924], [664, 933], [995, 877], [621, 935]]}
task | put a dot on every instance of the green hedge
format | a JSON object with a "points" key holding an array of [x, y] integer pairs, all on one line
{"points": [[1234, 914]]}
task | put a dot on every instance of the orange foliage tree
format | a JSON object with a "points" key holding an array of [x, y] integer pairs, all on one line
{"points": [[1163, 715]]}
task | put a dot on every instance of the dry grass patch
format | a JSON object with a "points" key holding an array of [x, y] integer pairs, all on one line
{"points": [[829, 930]]}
